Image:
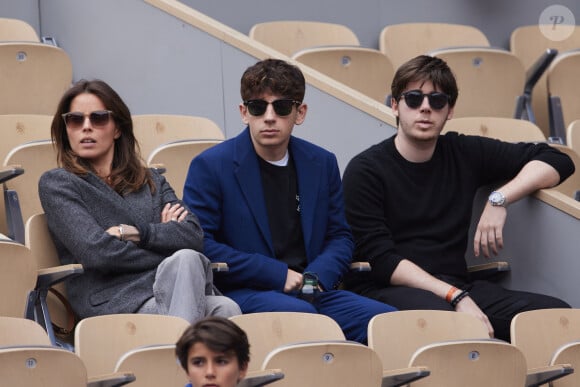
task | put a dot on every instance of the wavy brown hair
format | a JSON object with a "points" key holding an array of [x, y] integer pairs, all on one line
{"points": [[128, 172]]}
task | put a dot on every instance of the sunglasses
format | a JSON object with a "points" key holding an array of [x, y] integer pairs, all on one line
{"points": [[282, 107], [414, 99], [98, 118]]}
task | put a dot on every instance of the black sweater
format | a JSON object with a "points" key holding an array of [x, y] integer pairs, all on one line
{"points": [[422, 211]]}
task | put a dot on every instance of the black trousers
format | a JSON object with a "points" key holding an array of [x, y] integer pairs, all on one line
{"points": [[498, 303]]}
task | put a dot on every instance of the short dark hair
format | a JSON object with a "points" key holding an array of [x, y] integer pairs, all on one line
{"points": [[425, 68], [275, 76], [219, 334]]}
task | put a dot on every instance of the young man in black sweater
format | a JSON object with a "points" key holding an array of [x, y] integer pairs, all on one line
{"points": [[409, 202]]}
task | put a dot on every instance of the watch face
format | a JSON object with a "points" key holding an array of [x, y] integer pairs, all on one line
{"points": [[497, 199]]}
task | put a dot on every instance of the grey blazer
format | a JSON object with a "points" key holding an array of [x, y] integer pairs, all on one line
{"points": [[119, 275]]}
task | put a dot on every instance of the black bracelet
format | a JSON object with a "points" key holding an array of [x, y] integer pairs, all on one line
{"points": [[459, 297]]}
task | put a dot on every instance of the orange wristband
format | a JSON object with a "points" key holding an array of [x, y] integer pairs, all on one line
{"points": [[450, 293]]}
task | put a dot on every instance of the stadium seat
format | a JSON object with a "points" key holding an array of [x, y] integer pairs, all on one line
{"points": [[21, 193], [490, 80], [100, 341], [401, 42], [173, 160], [501, 128], [17, 30], [563, 83], [540, 334], [154, 130], [473, 363], [290, 36], [366, 70], [17, 278], [529, 43], [34, 76]]}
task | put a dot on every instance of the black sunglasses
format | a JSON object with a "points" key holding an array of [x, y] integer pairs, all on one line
{"points": [[282, 107], [75, 120], [414, 99]]}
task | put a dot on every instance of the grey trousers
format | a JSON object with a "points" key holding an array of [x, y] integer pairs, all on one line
{"points": [[183, 287]]}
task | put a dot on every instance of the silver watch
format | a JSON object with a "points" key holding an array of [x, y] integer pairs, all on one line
{"points": [[497, 199]]}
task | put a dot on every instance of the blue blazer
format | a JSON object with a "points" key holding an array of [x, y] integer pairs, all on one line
{"points": [[224, 189]]}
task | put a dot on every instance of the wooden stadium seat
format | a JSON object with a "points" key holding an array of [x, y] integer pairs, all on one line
{"points": [[17, 278], [101, 341], [490, 80], [473, 363], [51, 308], [501, 128], [563, 83], [34, 76], [528, 43], [401, 42], [363, 69], [153, 130], [573, 136], [21, 331], [541, 335], [268, 330], [21, 193], [416, 328], [17, 30], [289, 36], [173, 160]]}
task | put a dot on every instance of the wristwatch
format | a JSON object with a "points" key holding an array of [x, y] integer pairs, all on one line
{"points": [[497, 199]]}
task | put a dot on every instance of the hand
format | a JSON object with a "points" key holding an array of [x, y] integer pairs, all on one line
{"points": [[173, 213], [489, 232], [130, 233], [467, 305], [293, 281]]}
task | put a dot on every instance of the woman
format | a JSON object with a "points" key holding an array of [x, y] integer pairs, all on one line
{"points": [[214, 351], [138, 244]]}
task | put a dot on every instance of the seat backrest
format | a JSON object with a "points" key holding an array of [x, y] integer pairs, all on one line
{"points": [[17, 30], [21, 331], [153, 130], [568, 353], [363, 69], [34, 76], [175, 158], [501, 128], [401, 42], [101, 341], [17, 278], [35, 158], [396, 336], [41, 366], [539, 333], [268, 330], [489, 80], [528, 43], [563, 81], [289, 36], [153, 366], [573, 136], [571, 185], [474, 363], [326, 364]]}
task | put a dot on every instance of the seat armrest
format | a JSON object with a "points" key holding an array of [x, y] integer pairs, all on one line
{"points": [[10, 172], [542, 375], [261, 378], [403, 376], [360, 266], [488, 270], [219, 267], [111, 380], [50, 276]]}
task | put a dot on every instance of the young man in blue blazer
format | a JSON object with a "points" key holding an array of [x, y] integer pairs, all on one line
{"points": [[271, 207]]}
